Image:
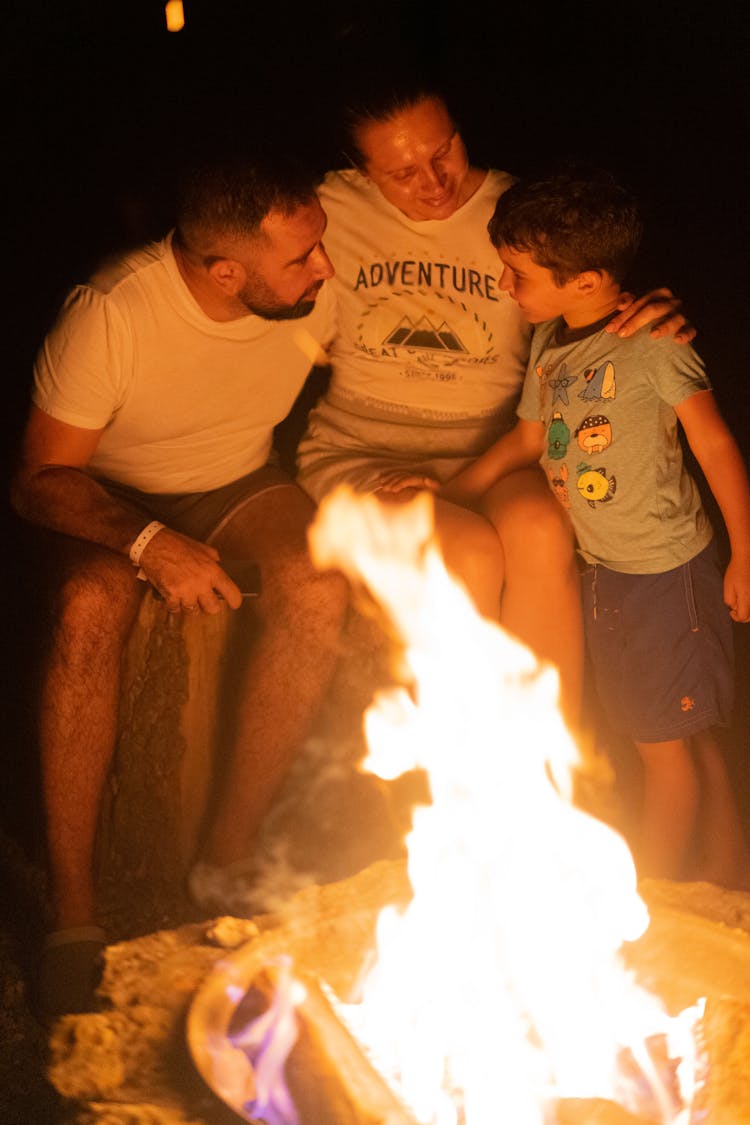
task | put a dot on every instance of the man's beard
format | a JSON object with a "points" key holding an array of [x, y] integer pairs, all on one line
{"points": [[280, 312], [258, 299]]}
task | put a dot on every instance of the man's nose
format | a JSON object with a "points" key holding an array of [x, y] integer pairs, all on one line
{"points": [[321, 263]]}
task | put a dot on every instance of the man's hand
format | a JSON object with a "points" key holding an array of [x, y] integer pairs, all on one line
{"points": [[187, 574], [737, 589], [660, 308]]}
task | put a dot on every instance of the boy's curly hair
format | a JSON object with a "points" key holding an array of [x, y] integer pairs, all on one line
{"points": [[574, 219]]}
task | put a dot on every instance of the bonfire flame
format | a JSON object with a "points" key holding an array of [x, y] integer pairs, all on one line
{"points": [[501, 983]]}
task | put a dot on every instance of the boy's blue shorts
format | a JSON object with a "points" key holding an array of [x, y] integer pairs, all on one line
{"points": [[661, 647]]}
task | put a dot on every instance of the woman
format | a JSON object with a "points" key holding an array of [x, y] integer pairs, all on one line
{"points": [[428, 364]]}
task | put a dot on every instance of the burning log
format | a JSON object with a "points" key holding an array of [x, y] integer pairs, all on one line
{"points": [[330, 1078], [327, 1073]]}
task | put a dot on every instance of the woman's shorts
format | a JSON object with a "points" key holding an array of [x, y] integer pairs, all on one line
{"points": [[661, 648], [345, 445]]}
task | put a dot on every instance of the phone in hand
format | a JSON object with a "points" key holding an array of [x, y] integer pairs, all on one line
{"points": [[244, 574]]}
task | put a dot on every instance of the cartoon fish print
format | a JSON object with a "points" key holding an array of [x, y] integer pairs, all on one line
{"points": [[558, 478], [594, 485], [594, 433], [560, 386], [600, 383], [558, 437]]}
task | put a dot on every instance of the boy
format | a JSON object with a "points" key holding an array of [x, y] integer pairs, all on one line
{"points": [[601, 414]]}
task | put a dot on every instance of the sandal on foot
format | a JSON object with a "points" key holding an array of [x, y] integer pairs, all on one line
{"points": [[69, 971]]}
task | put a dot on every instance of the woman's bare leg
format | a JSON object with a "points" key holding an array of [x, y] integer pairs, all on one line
{"points": [[541, 600]]}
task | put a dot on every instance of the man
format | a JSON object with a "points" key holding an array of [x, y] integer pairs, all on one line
{"points": [[146, 453], [428, 363]]}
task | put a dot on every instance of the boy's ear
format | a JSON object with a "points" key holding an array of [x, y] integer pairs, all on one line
{"points": [[589, 282]]}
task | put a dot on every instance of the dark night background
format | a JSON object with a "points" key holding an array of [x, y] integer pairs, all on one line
{"points": [[101, 104]]}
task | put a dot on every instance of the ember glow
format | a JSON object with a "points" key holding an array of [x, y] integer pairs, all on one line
{"points": [[501, 984]]}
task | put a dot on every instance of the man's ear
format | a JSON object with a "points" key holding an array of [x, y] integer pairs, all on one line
{"points": [[228, 275], [589, 282]]}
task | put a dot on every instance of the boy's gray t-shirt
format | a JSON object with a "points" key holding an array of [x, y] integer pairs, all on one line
{"points": [[612, 448]]}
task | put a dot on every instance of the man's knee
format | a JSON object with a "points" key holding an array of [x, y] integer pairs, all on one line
{"points": [[292, 584], [97, 595]]}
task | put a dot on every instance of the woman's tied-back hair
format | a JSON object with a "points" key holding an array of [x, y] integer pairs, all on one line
{"points": [[574, 219], [382, 102], [224, 198]]}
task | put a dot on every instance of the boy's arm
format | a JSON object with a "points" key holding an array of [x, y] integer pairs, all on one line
{"points": [[520, 447], [720, 459]]}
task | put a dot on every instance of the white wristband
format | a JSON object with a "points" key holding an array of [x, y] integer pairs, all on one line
{"points": [[143, 541]]}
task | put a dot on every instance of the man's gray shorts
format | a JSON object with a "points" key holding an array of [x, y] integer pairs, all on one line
{"points": [[202, 515]]}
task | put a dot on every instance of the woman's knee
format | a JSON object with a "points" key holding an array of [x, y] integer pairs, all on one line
{"points": [[533, 526], [473, 553]]}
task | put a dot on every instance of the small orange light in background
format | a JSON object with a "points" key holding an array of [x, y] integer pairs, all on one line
{"points": [[175, 15]]}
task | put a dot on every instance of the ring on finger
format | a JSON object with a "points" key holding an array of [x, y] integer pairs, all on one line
{"points": [[190, 608]]}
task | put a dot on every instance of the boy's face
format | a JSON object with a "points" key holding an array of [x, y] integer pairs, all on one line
{"points": [[533, 287]]}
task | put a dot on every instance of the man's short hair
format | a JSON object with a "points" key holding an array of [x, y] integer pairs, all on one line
{"points": [[229, 198], [574, 219]]}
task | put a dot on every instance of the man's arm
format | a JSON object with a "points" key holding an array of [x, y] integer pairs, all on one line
{"points": [[52, 488], [520, 447], [722, 464]]}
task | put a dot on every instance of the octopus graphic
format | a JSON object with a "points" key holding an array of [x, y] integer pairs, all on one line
{"points": [[558, 479]]}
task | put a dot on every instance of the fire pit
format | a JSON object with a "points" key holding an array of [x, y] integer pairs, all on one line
{"points": [[687, 952], [131, 1064]]}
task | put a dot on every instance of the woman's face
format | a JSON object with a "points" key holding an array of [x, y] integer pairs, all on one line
{"points": [[418, 160]]}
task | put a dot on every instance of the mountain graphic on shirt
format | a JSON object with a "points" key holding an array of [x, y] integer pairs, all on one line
{"points": [[424, 334]]}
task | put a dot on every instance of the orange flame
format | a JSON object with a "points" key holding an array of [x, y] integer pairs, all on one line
{"points": [[502, 980]]}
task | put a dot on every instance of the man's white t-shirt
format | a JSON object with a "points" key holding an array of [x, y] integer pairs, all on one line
{"points": [[186, 403]]}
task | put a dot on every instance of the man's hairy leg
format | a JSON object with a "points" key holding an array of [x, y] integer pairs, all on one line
{"points": [[300, 613], [541, 603], [96, 605]]}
